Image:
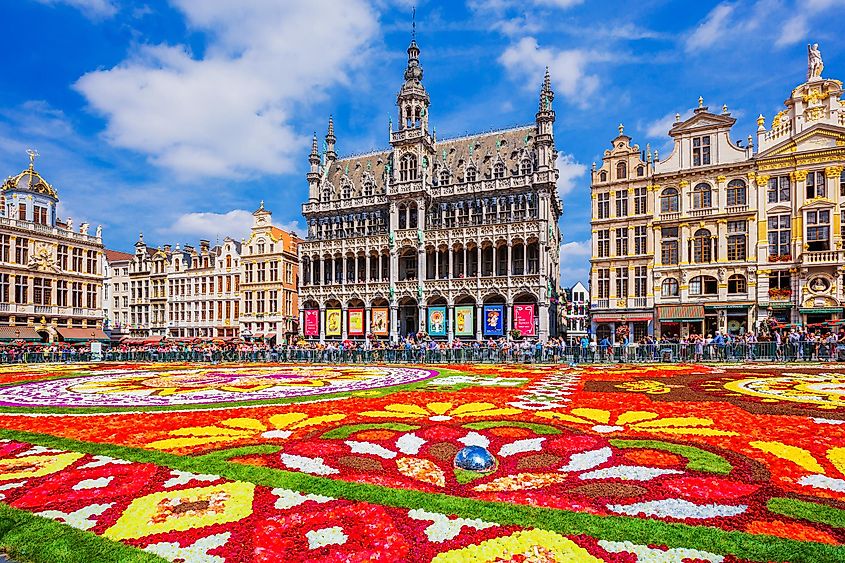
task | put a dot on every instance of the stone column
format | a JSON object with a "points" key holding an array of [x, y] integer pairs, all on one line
{"points": [[422, 265], [394, 321], [510, 260], [450, 321], [421, 318], [543, 312], [322, 323], [509, 313], [451, 272], [367, 320], [479, 327], [344, 315]]}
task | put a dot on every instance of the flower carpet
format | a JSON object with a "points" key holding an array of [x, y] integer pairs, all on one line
{"points": [[231, 463]]}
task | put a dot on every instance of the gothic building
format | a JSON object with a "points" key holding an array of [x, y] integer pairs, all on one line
{"points": [[457, 238]]}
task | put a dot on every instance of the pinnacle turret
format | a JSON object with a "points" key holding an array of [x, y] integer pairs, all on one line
{"points": [[331, 154]]}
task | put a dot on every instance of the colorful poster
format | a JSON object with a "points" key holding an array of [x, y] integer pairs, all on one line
{"points": [[312, 322], [379, 321], [494, 320], [437, 321], [356, 322], [523, 319], [333, 322], [465, 320]]}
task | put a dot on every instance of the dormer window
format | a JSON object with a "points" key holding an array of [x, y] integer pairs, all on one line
{"points": [[525, 168], [498, 171], [326, 195], [471, 174], [621, 171], [602, 176], [368, 188], [346, 191], [444, 177], [701, 151], [640, 170]]}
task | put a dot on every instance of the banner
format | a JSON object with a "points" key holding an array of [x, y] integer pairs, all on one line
{"points": [[523, 319], [312, 322], [465, 320], [437, 321], [333, 322], [379, 321], [356, 322], [494, 320]]}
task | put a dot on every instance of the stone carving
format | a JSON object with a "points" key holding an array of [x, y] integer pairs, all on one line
{"points": [[815, 65]]}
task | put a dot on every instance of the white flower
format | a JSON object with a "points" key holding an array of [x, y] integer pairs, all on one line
{"points": [[587, 460], [98, 483], [474, 439], [313, 465], [326, 536], [370, 448], [185, 477], [823, 482], [197, 552], [409, 444], [81, 518], [520, 446], [677, 508], [650, 554], [288, 499], [628, 473], [101, 460], [443, 528]]}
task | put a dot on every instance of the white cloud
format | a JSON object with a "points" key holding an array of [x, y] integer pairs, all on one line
{"points": [[570, 172], [796, 28], [575, 262], [228, 112], [235, 224], [712, 28], [526, 60], [94, 9]]}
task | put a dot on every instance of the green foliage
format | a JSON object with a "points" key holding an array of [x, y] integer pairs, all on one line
{"points": [[697, 459], [542, 429], [343, 432], [812, 511]]}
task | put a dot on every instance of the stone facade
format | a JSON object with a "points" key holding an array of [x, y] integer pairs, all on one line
{"points": [[269, 276], [718, 235], [577, 312], [116, 292], [51, 276], [432, 235]]}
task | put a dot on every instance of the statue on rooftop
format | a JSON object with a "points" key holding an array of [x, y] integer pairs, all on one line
{"points": [[814, 62]]}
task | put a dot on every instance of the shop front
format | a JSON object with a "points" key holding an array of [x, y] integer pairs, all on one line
{"points": [[679, 321], [639, 325], [730, 318], [820, 318]]}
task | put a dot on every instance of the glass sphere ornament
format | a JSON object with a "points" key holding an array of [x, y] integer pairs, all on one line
{"points": [[475, 458]]}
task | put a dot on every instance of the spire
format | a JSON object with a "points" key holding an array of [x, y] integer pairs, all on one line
{"points": [[314, 145], [546, 93], [330, 141], [414, 71]]}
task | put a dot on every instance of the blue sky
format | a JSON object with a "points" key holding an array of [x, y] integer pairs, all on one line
{"points": [[176, 117]]}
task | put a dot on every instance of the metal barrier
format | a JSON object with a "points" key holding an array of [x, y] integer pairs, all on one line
{"points": [[558, 354]]}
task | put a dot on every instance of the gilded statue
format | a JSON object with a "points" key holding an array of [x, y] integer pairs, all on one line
{"points": [[814, 62]]}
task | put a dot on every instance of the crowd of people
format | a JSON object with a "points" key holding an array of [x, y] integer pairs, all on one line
{"points": [[774, 345]]}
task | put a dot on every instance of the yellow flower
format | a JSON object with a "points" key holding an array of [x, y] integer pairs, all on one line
{"points": [[441, 411], [533, 545], [234, 429], [640, 421]]}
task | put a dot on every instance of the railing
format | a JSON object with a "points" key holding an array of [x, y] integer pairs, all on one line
{"points": [[671, 216], [512, 352], [638, 302], [821, 257], [701, 212], [733, 209], [602, 304]]}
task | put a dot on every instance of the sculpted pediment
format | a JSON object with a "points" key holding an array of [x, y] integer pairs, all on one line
{"points": [[816, 139]]}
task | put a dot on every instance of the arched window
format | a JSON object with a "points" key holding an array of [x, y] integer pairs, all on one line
{"points": [[498, 170], [669, 201], [326, 195], [640, 170], [408, 168], [368, 187], [472, 174], [602, 176], [702, 247], [525, 168], [669, 287], [346, 190], [737, 193], [702, 196], [703, 285], [403, 216], [444, 177], [412, 216], [621, 170], [737, 284]]}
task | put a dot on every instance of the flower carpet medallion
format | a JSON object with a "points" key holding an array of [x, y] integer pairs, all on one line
{"points": [[232, 463]]}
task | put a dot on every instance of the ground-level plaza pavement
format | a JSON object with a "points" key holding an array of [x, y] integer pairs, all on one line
{"points": [[267, 463]]}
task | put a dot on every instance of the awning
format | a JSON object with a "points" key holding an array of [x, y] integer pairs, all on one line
{"points": [[622, 318], [729, 306], [82, 334], [10, 333], [269, 335], [607, 319], [780, 304], [680, 312], [820, 310], [640, 319], [258, 335]]}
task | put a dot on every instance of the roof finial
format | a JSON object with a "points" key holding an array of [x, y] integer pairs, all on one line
{"points": [[414, 23], [621, 129], [33, 154], [261, 205], [701, 101]]}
